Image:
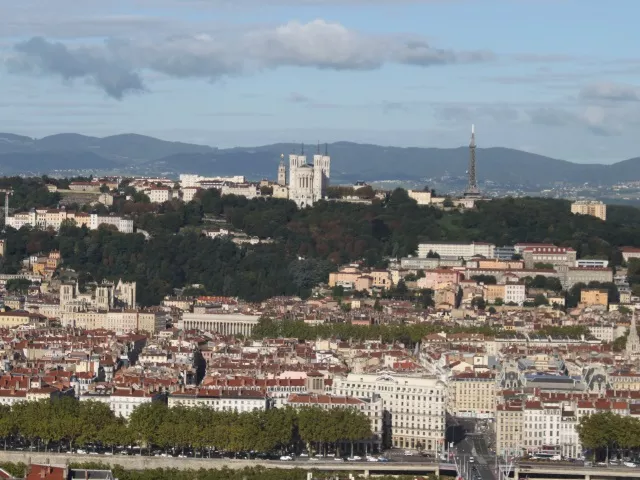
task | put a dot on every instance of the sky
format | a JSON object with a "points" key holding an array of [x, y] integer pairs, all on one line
{"points": [[555, 77]]}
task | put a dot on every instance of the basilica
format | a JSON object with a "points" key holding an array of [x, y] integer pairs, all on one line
{"points": [[307, 182]]}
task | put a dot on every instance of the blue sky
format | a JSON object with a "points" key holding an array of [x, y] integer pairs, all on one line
{"points": [[556, 77]]}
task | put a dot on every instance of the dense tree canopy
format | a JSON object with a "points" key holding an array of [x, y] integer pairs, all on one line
{"points": [[67, 422], [308, 243], [607, 432]]}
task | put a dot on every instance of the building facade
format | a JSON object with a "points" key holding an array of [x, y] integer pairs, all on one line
{"points": [[307, 183], [590, 207], [224, 323], [456, 250], [414, 406]]}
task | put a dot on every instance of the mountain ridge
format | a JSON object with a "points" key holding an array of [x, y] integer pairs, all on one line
{"points": [[133, 153]]}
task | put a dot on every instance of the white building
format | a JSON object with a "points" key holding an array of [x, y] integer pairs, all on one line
{"points": [[220, 400], [307, 183], [249, 190], [224, 323], [592, 263], [189, 193], [189, 180], [414, 406], [53, 218], [160, 194], [122, 401], [456, 250], [515, 292]]}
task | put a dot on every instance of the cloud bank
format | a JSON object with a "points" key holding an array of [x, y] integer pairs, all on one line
{"points": [[117, 66]]}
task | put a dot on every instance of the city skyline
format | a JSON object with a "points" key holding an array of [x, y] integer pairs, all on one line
{"points": [[408, 73]]}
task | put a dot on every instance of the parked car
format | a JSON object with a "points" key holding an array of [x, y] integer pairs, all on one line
{"points": [[286, 458], [355, 458]]}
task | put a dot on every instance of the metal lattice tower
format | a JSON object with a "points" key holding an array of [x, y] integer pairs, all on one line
{"points": [[472, 187]]}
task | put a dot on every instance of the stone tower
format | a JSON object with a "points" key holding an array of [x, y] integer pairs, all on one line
{"points": [[282, 172]]}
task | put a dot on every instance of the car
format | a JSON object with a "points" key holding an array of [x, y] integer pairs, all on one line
{"points": [[383, 459], [304, 454], [338, 459], [286, 458], [81, 451], [371, 458], [408, 453], [355, 458], [314, 459], [471, 460], [630, 464]]}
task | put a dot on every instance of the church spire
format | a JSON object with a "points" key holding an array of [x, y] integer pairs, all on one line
{"points": [[632, 349]]}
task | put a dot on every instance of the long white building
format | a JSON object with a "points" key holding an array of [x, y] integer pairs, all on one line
{"points": [[457, 250], [54, 218], [414, 406], [224, 323]]}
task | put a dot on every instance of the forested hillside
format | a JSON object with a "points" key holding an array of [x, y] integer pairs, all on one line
{"points": [[308, 243]]}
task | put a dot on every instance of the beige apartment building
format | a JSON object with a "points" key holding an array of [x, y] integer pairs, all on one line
{"points": [[590, 207], [509, 420], [472, 394], [594, 297], [414, 406], [492, 292], [15, 319]]}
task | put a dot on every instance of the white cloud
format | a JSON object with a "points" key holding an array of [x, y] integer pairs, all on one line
{"points": [[118, 66], [609, 91]]}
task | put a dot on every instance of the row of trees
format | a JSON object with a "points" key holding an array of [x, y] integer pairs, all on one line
{"points": [[68, 422], [408, 334], [609, 435]]}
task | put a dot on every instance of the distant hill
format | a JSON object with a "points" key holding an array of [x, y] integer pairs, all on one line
{"points": [[130, 153], [42, 163]]}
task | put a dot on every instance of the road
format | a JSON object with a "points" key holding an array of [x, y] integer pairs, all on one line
{"points": [[474, 446]]}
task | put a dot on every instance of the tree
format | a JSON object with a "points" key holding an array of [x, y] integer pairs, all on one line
{"points": [[540, 299], [486, 279], [146, 420], [18, 285], [479, 303], [498, 301], [543, 266]]}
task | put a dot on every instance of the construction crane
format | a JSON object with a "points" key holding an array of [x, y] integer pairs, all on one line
{"points": [[7, 192]]}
